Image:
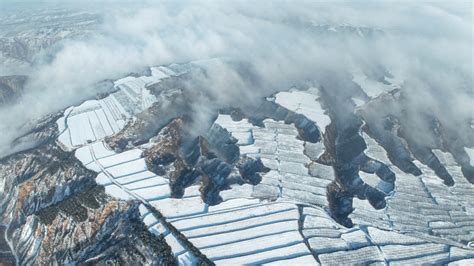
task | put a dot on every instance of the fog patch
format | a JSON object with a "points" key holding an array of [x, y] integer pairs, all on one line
{"points": [[279, 43]]}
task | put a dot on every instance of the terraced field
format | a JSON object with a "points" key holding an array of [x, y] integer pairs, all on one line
{"points": [[96, 119], [284, 219]]}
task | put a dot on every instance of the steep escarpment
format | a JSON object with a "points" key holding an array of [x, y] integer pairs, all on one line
{"points": [[170, 155], [345, 151], [212, 160], [112, 233], [40, 178], [54, 212]]}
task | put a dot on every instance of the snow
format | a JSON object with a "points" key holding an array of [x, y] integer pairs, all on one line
{"points": [[128, 168], [231, 215], [103, 180], [168, 71], [123, 80], [276, 144], [111, 114], [187, 259], [156, 227], [237, 191], [149, 182], [107, 127], [252, 222], [153, 193], [149, 219], [241, 130], [358, 102], [375, 182], [250, 150], [254, 245], [192, 191], [176, 208], [234, 203], [117, 192], [160, 72], [62, 120], [264, 252], [470, 152], [121, 158], [245, 231], [184, 256], [445, 158], [374, 150], [100, 151], [80, 130], [371, 87], [94, 120], [240, 221], [302, 260], [305, 103], [245, 228], [137, 177], [249, 233], [83, 154]]}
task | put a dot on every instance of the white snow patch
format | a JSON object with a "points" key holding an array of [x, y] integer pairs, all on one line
{"points": [[241, 130], [470, 153], [305, 103], [358, 102], [371, 87], [94, 120]]}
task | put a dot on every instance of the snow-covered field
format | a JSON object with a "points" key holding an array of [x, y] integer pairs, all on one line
{"points": [[246, 231], [243, 223], [93, 120], [423, 205], [283, 219], [374, 88], [305, 103], [279, 149]]}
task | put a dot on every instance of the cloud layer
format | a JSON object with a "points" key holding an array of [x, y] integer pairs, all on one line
{"points": [[286, 43]]}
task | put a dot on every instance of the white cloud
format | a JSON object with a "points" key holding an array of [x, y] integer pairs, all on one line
{"points": [[429, 44]]}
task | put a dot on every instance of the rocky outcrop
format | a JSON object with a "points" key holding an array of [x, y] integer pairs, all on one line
{"points": [[220, 143], [212, 159], [172, 103], [41, 177], [214, 175], [250, 168], [34, 181], [111, 234], [55, 213], [172, 155]]}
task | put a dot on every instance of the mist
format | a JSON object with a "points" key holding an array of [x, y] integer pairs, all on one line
{"points": [[427, 45]]}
